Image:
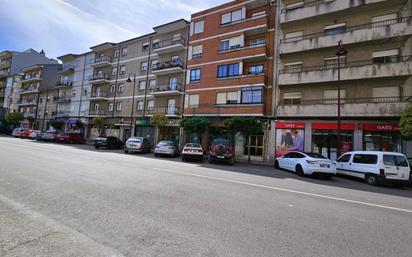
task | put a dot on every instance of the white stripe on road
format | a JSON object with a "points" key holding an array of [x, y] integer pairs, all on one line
{"points": [[288, 190]]}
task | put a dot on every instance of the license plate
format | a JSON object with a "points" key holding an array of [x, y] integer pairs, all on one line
{"points": [[325, 166]]}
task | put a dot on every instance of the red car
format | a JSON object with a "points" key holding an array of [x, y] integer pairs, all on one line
{"points": [[69, 138], [26, 133]]}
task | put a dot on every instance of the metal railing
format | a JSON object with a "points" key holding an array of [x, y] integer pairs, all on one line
{"points": [[168, 65], [165, 88], [26, 101], [307, 4], [29, 114], [244, 20], [103, 59], [240, 48], [29, 76], [168, 110], [169, 42], [99, 76], [29, 89], [64, 83], [359, 100], [97, 113], [98, 94], [63, 98], [297, 69], [349, 29]]}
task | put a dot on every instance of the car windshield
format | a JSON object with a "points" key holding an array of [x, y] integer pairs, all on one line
{"points": [[221, 142], [166, 143], [193, 145], [395, 160], [316, 155], [135, 140]]}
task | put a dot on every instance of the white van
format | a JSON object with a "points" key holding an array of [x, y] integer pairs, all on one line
{"points": [[374, 167]]}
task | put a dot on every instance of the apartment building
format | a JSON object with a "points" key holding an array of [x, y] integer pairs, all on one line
{"points": [[134, 79], [12, 63], [375, 74], [230, 69], [37, 94], [73, 89]]}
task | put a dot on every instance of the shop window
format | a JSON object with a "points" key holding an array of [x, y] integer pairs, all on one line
{"points": [[381, 141], [256, 146], [325, 142], [252, 95]]}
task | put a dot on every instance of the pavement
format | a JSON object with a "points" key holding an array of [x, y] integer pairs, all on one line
{"points": [[73, 200]]}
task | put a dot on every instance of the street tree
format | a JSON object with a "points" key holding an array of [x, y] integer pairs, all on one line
{"points": [[195, 125], [57, 124], [98, 122], [406, 122], [14, 118], [158, 120], [245, 126]]}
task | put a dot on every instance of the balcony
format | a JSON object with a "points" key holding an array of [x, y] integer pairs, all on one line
{"points": [[5, 64], [63, 84], [361, 33], [27, 102], [251, 53], [62, 99], [4, 73], [98, 96], [320, 7], [29, 114], [2, 94], [169, 46], [170, 67], [354, 107], [29, 90], [349, 71], [30, 78], [251, 25], [160, 90], [68, 68], [95, 113], [99, 78], [2, 84], [62, 113], [170, 110], [102, 61]]}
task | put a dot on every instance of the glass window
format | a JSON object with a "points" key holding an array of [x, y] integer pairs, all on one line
{"points": [[114, 71], [193, 101], [231, 17], [140, 105], [112, 88], [257, 41], [143, 66], [123, 69], [197, 51], [252, 95], [120, 88], [145, 46], [335, 29], [224, 45], [142, 85], [256, 146], [344, 158], [118, 106], [116, 53], [256, 69], [228, 70], [395, 160], [195, 75], [325, 142], [124, 51], [381, 141], [365, 158], [198, 27], [110, 106]]}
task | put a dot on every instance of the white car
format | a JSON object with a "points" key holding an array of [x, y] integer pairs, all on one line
{"points": [[166, 148], [375, 167], [33, 134], [16, 132], [192, 151], [137, 144], [306, 164]]}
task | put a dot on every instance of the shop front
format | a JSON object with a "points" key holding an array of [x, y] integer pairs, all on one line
{"points": [[144, 129], [289, 136], [381, 137]]}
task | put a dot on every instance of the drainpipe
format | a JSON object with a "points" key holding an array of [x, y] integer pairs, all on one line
{"points": [[181, 132], [275, 95]]}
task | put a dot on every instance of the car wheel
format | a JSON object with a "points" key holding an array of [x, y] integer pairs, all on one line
{"points": [[96, 147], [126, 151], [371, 179], [183, 159], [299, 171], [211, 160], [156, 155], [276, 164]]}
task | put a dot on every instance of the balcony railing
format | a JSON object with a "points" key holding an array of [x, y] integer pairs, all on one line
{"points": [[97, 113], [297, 69], [98, 94], [67, 68], [239, 48], [349, 29], [166, 88], [29, 89], [169, 42], [64, 83], [169, 110], [395, 99], [63, 98], [168, 65], [243, 20], [99, 77], [28, 77], [3, 73], [29, 114], [62, 113], [103, 59], [26, 101], [307, 4]]}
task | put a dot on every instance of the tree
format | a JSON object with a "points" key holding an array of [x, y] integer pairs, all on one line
{"points": [[57, 124], [406, 122], [98, 122], [30, 119], [14, 118], [245, 126], [195, 125], [159, 120]]}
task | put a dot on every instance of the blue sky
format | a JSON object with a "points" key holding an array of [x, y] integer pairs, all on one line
{"points": [[72, 26]]}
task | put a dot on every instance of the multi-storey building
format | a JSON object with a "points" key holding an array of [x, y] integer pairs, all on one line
{"points": [[156, 63], [39, 78], [230, 69], [375, 74], [11, 63]]}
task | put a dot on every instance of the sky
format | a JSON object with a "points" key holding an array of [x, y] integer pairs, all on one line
{"points": [[73, 26]]}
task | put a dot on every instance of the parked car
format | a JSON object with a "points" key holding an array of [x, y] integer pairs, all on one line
{"points": [[39, 136], [137, 144], [306, 164], [221, 150], [16, 132], [69, 138], [5, 130], [375, 167], [49, 135], [34, 133], [26, 133], [192, 151], [108, 142], [166, 148]]}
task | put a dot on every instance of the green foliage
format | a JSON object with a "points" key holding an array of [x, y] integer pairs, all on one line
{"points": [[58, 125], [194, 125], [159, 120], [406, 122], [13, 118], [98, 122], [245, 126]]}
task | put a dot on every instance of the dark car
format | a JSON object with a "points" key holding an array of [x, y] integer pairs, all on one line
{"points": [[108, 142], [69, 138], [221, 150], [5, 130]]}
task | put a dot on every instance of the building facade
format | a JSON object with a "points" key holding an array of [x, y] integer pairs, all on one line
{"points": [[230, 70], [374, 76]]}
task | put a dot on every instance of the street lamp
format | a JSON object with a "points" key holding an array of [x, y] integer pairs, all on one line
{"points": [[341, 51], [134, 91]]}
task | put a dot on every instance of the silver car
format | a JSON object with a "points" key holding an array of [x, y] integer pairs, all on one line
{"points": [[166, 148], [137, 144]]}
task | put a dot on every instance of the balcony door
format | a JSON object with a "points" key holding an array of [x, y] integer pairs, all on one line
{"points": [[173, 83], [171, 106], [98, 91]]}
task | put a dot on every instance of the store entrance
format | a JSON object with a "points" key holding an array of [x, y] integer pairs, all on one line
{"points": [[325, 142], [382, 141]]}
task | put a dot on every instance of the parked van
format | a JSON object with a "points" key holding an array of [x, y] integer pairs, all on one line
{"points": [[374, 167]]}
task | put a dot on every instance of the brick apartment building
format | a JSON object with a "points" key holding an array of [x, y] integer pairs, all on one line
{"points": [[230, 68]]}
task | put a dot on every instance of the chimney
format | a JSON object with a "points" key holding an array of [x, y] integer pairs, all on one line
{"points": [[42, 52]]}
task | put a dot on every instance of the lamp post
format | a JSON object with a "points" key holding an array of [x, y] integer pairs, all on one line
{"points": [[134, 91], [341, 51]]}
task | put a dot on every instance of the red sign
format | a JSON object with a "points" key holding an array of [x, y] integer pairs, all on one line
{"points": [[290, 125], [380, 127], [333, 126]]}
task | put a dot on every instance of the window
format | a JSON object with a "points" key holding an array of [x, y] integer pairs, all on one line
{"points": [[388, 56], [198, 27], [154, 64], [77, 63], [152, 83], [195, 75], [156, 43], [114, 71], [231, 43], [118, 106], [259, 14], [228, 70], [395, 160], [384, 19], [257, 41], [142, 85], [256, 146], [123, 69], [292, 98], [120, 88], [332, 63], [85, 92], [231, 17], [150, 105], [110, 108], [140, 105], [193, 101], [143, 66], [252, 95], [294, 36], [365, 158], [331, 96], [197, 51], [344, 158], [334, 29], [112, 88], [385, 92], [124, 51], [295, 6], [227, 98], [145, 46], [116, 53], [74, 92], [256, 69]]}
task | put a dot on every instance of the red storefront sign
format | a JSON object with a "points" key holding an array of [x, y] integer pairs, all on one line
{"points": [[380, 127], [290, 125], [333, 126]]}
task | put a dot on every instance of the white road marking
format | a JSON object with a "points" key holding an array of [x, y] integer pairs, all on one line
{"points": [[288, 190]]}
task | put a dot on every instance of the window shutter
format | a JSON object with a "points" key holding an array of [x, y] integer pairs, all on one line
{"points": [[221, 98], [232, 96], [385, 53]]}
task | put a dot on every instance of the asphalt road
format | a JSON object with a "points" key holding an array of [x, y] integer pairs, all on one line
{"points": [[68, 200]]}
